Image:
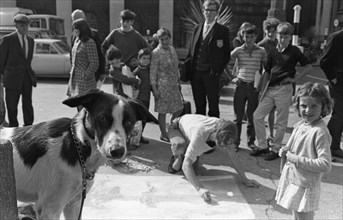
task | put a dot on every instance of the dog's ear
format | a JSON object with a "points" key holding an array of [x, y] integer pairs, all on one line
{"points": [[142, 113], [86, 99]]}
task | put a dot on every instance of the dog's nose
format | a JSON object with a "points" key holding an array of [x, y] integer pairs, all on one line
{"points": [[117, 152]]}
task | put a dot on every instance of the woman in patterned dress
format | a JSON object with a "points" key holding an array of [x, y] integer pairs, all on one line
{"points": [[84, 60], [164, 76]]}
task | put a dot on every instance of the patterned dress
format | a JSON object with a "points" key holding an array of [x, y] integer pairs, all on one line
{"points": [[85, 63], [299, 186], [164, 73]]}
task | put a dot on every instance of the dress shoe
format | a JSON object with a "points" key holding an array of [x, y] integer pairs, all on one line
{"points": [[236, 147], [143, 140], [337, 153], [258, 152], [271, 156]]}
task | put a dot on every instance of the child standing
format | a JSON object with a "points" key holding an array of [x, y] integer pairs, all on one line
{"points": [[113, 56], [307, 153], [269, 42], [144, 88], [249, 58]]}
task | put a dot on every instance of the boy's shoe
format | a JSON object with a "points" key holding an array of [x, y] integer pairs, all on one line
{"points": [[131, 147], [271, 156], [258, 152], [270, 141], [170, 166], [166, 139], [252, 146], [143, 140]]}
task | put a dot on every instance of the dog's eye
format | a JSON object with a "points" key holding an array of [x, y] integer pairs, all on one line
{"points": [[103, 118]]}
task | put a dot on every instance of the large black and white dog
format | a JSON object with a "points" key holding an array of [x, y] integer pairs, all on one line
{"points": [[47, 155]]}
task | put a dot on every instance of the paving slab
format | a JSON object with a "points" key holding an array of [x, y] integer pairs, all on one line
{"points": [[163, 197]]}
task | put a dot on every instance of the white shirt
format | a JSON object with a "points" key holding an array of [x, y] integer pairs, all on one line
{"points": [[210, 25], [21, 42]]}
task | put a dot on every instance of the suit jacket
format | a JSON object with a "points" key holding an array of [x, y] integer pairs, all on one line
{"points": [[331, 61], [13, 63], [219, 48], [101, 58]]}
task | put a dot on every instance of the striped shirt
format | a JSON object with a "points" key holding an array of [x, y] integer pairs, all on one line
{"points": [[248, 62]]}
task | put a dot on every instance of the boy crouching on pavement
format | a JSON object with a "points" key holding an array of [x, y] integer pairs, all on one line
{"points": [[189, 135]]}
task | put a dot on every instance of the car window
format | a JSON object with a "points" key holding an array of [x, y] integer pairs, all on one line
{"points": [[42, 48], [53, 50], [62, 47]]}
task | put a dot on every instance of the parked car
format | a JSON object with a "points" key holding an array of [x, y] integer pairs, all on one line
{"points": [[51, 58], [33, 32]]}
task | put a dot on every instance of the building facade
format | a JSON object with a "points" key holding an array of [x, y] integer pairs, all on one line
{"points": [[152, 14]]}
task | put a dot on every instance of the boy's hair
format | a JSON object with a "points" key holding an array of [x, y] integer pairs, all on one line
{"points": [[249, 29], [211, 2], [127, 15], [143, 52], [270, 23], [315, 90], [113, 53], [285, 28], [243, 25], [226, 133]]}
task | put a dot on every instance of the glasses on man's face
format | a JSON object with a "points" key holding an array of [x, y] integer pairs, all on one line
{"points": [[209, 10]]}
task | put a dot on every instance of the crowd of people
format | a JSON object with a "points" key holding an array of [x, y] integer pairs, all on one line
{"points": [[265, 77]]}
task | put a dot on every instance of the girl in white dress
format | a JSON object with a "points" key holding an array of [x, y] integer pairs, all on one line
{"points": [[307, 155]]}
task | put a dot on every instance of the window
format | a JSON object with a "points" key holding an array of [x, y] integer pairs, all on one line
{"points": [[42, 48]]}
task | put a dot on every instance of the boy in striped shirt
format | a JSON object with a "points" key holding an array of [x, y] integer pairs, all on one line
{"points": [[249, 57]]}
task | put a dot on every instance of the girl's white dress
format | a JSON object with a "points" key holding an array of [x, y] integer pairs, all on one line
{"points": [[299, 186]]}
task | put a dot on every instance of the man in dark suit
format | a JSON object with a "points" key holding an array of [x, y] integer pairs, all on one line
{"points": [[209, 53], [100, 73], [332, 65], [16, 51]]}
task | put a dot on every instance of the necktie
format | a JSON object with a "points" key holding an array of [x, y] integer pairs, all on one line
{"points": [[24, 44], [207, 27]]}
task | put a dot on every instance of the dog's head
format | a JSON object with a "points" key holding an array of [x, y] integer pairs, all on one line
{"points": [[109, 119]]}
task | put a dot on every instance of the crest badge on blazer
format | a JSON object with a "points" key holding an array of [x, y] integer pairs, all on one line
{"points": [[220, 43]]}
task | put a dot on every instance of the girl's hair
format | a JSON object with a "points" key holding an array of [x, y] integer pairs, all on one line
{"points": [[226, 133], [143, 52], [270, 23], [163, 32], [85, 31], [113, 53], [318, 91]]}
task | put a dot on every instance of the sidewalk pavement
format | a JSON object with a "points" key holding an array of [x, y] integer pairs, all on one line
{"points": [[141, 188]]}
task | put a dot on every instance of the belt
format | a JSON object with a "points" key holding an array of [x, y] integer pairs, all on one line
{"points": [[247, 83], [281, 84]]}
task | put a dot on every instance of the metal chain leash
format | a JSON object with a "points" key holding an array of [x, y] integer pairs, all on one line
{"points": [[86, 174]]}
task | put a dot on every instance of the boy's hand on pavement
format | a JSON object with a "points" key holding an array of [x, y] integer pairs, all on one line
{"points": [[205, 194], [251, 183]]}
